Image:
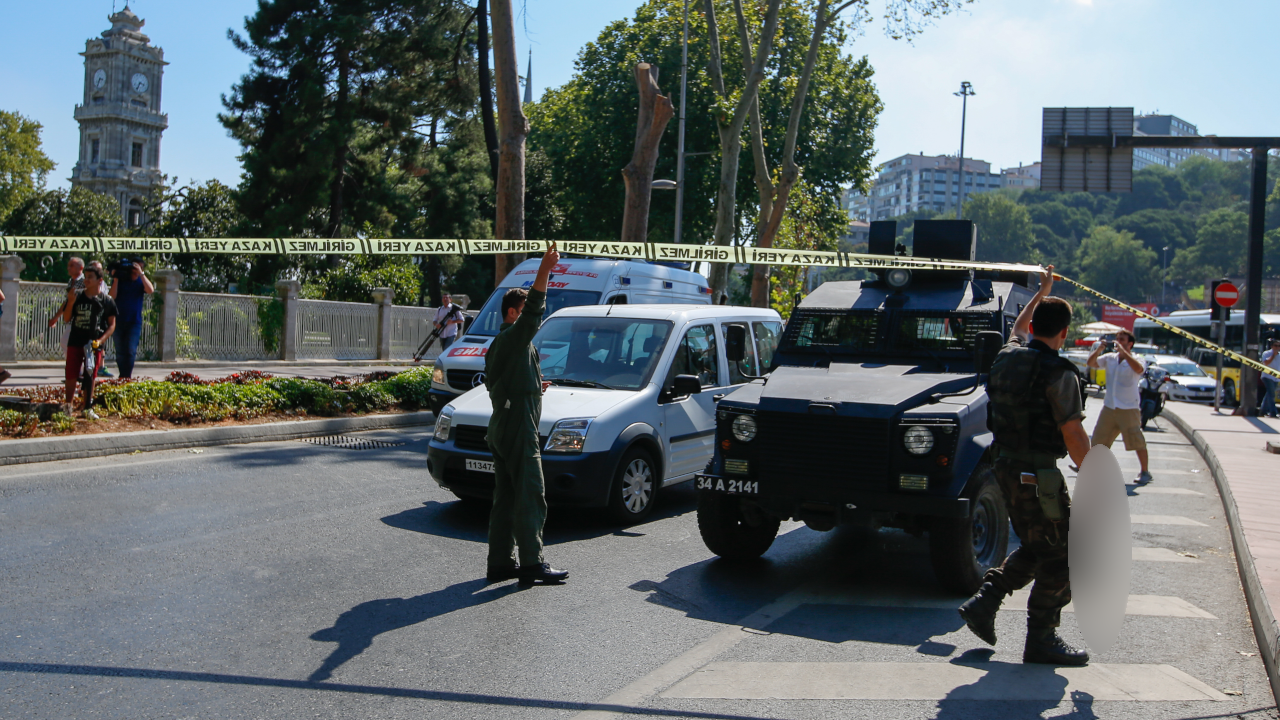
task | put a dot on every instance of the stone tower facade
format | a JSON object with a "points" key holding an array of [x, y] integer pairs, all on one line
{"points": [[120, 118]]}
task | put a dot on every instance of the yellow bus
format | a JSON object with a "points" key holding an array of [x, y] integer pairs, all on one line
{"points": [[1197, 322]]}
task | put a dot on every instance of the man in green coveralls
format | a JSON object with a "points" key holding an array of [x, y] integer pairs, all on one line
{"points": [[514, 378], [1035, 407]]}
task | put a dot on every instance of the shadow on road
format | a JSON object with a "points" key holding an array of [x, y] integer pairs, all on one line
{"points": [[1040, 687], [355, 629]]}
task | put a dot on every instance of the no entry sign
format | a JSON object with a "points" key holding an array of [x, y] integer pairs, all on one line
{"points": [[1226, 294]]}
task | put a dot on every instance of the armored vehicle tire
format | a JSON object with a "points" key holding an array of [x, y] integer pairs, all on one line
{"points": [[963, 549], [635, 487], [731, 533]]}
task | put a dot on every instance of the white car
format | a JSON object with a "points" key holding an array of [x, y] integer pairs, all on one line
{"points": [[1187, 382], [631, 408]]}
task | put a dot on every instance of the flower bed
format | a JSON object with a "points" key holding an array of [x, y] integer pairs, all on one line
{"points": [[183, 398]]}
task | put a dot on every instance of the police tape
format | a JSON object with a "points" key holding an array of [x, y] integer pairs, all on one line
{"points": [[1175, 330], [653, 252]]}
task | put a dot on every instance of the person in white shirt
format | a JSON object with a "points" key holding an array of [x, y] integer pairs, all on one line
{"points": [[448, 318], [1121, 414], [1271, 359]]}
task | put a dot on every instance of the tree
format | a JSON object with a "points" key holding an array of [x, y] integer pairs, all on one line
{"points": [[355, 277], [655, 113], [1116, 264], [1063, 220], [1219, 250], [509, 223], [1004, 228], [1158, 229], [23, 164], [807, 226], [1156, 187], [209, 210], [75, 213]]}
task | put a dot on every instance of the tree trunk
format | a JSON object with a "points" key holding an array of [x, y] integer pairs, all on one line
{"points": [[509, 224], [655, 113], [764, 183], [486, 88], [341, 140]]}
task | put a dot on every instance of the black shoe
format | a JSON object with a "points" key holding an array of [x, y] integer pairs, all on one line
{"points": [[494, 575], [979, 612], [1045, 646], [543, 572]]}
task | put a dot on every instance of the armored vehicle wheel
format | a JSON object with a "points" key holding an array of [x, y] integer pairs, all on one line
{"points": [[731, 532], [635, 487], [963, 549]]}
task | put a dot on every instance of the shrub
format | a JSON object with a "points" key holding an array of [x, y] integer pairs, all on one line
{"points": [[59, 423], [310, 395], [370, 397], [410, 388], [18, 424]]}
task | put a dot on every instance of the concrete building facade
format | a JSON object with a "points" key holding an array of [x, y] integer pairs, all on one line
{"points": [[1172, 125], [120, 119], [910, 183]]}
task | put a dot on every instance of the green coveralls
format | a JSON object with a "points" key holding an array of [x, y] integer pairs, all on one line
{"points": [[514, 378]]}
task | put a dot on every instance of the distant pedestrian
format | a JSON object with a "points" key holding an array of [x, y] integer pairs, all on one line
{"points": [[1271, 359], [130, 287], [4, 374], [514, 379], [1122, 406], [448, 320], [92, 315], [75, 273]]}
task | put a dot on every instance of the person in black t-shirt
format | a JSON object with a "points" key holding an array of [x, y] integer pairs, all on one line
{"points": [[93, 320]]}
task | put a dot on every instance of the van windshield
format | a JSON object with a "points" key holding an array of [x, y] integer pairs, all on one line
{"points": [[489, 321], [612, 353]]}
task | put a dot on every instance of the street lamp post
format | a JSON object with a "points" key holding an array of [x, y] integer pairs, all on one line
{"points": [[1164, 272], [684, 91], [966, 90]]}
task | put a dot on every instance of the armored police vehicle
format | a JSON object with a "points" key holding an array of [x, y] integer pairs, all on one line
{"points": [[873, 413], [574, 282]]}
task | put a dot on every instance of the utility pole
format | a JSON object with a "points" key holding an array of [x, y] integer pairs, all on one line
{"points": [[966, 90], [684, 91], [1164, 273]]}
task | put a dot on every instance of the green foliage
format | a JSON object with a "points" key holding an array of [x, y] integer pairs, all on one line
{"points": [[61, 213], [18, 424], [355, 277], [271, 324], [59, 423], [409, 388], [806, 226], [1154, 187], [1117, 264], [1158, 229], [23, 164], [1220, 248], [1005, 225], [209, 211], [310, 395], [1080, 315], [184, 402]]}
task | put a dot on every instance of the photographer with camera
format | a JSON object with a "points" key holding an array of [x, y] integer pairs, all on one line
{"points": [[1122, 407], [93, 320], [448, 319], [130, 286]]}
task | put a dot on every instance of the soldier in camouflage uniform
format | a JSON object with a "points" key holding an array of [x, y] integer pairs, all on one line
{"points": [[1036, 405], [513, 376]]}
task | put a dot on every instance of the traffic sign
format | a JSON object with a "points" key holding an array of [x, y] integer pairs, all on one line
{"points": [[1226, 294]]}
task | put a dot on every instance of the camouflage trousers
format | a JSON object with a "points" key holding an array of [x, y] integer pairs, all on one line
{"points": [[1042, 556]]}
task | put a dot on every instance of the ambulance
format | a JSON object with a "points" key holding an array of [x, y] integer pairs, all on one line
{"points": [[573, 282]]}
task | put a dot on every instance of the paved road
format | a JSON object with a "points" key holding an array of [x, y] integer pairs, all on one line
{"points": [[289, 580]]}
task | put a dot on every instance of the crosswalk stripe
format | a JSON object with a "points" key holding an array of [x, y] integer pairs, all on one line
{"points": [[1164, 520], [1148, 605], [989, 681], [1150, 554], [1150, 490]]}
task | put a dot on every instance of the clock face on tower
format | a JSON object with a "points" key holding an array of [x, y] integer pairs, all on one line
{"points": [[99, 79], [139, 82]]}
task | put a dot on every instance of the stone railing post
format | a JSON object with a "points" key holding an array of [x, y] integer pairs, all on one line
{"points": [[288, 291], [10, 270], [382, 298], [168, 282]]}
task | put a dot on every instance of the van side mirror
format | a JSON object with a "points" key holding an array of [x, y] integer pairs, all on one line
{"points": [[735, 343], [686, 385], [985, 347]]}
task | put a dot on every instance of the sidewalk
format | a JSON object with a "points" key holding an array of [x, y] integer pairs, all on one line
{"points": [[1248, 479], [27, 374]]}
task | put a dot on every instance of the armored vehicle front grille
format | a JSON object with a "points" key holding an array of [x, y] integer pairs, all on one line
{"points": [[820, 457], [460, 379], [470, 437]]}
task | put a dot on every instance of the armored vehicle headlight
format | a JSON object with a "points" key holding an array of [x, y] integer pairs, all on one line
{"points": [[437, 375], [898, 277], [569, 435], [443, 423], [918, 440], [744, 428]]}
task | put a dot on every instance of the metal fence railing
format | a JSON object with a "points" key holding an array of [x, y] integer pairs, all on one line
{"points": [[337, 330], [221, 327], [409, 327], [38, 301]]}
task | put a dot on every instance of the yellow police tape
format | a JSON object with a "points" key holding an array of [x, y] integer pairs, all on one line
{"points": [[654, 252]]}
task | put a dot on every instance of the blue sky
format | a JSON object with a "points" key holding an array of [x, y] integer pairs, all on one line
{"points": [[1209, 63]]}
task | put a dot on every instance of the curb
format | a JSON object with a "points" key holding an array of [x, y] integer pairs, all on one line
{"points": [[34, 450], [1265, 628]]}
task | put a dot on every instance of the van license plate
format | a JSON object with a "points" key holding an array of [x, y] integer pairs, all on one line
{"points": [[480, 465]]}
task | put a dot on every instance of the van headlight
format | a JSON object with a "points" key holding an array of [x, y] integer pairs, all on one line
{"points": [[568, 435], [918, 440], [744, 428], [437, 375], [443, 424]]}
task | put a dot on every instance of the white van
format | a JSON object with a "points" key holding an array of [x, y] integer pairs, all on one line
{"points": [[573, 282], [631, 407]]}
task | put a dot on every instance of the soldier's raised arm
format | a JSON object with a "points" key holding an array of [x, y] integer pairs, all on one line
{"points": [[526, 326], [1022, 326]]}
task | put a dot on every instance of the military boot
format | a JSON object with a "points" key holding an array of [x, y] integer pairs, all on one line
{"points": [[979, 612], [1045, 646]]}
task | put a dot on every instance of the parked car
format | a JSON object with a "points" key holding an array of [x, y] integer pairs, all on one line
{"points": [[631, 408], [1186, 381]]}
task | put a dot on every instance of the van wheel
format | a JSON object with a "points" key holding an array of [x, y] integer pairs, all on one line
{"points": [[1229, 392], [963, 549], [731, 532], [635, 487]]}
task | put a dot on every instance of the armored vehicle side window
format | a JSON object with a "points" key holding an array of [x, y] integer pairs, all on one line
{"points": [[748, 363], [697, 355], [768, 335], [849, 332], [948, 332]]}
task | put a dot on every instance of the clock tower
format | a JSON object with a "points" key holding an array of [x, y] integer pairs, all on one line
{"points": [[120, 118]]}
